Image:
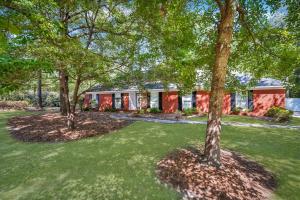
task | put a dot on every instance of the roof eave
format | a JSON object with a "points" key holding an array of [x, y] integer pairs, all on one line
{"points": [[268, 88]]}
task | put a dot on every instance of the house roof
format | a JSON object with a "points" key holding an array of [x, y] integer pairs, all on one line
{"points": [[147, 86], [263, 83]]}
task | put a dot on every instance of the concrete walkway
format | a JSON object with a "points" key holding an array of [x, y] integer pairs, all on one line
{"points": [[296, 114], [167, 121]]}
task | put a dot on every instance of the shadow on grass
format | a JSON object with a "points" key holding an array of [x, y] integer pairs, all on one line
{"points": [[122, 165]]}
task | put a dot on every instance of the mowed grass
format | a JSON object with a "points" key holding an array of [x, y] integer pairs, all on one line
{"points": [[121, 165], [251, 120]]}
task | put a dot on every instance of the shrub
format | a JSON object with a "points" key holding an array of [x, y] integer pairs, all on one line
{"points": [[86, 108], [279, 114], [50, 99], [189, 111], [141, 111], [17, 105], [236, 111], [154, 110], [110, 110], [94, 103]]}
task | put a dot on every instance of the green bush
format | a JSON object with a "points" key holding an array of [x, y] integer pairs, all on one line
{"points": [[86, 108], [236, 110], [189, 111], [49, 99], [94, 103], [154, 110], [279, 114], [110, 110], [141, 111], [16, 105]]}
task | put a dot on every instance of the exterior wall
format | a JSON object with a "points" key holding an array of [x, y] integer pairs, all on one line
{"points": [[262, 101], [265, 99], [226, 104], [126, 101], [202, 102], [105, 101], [87, 100], [169, 102]]}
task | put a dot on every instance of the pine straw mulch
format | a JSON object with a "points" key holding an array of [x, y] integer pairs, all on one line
{"points": [[51, 127], [237, 179]]}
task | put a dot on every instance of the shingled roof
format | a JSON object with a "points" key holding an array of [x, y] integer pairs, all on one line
{"points": [[264, 82]]}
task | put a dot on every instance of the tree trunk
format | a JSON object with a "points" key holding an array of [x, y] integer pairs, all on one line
{"points": [[39, 90], [65, 86], [75, 93], [63, 108], [222, 53]]}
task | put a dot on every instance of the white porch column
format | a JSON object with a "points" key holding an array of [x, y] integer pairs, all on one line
{"points": [[132, 100]]}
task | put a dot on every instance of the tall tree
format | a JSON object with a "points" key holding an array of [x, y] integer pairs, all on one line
{"points": [[64, 31], [222, 54], [39, 89], [228, 37]]}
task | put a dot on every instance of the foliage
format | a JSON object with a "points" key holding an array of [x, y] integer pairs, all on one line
{"points": [[154, 110], [15, 105], [15, 72], [50, 99], [141, 111], [94, 103], [190, 111], [236, 110], [279, 114], [108, 109], [87, 108], [294, 84]]}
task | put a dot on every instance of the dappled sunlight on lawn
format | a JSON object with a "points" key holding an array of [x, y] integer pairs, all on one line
{"points": [[121, 165]]}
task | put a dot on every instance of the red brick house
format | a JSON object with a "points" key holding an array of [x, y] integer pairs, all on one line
{"points": [[257, 100]]}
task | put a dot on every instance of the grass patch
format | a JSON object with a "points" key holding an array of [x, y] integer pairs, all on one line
{"points": [[251, 120], [122, 165]]}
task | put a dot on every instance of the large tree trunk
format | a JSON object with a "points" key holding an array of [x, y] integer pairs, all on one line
{"points": [[222, 53], [65, 85], [39, 90], [75, 95], [62, 104]]}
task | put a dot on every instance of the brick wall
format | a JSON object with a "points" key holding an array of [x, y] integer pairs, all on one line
{"points": [[105, 101], [169, 102], [265, 99], [126, 101], [202, 102]]}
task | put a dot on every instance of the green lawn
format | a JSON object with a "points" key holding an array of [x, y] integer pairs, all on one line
{"points": [[245, 119], [122, 165]]}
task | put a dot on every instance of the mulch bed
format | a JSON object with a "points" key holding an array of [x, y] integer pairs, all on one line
{"points": [[51, 127], [237, 179]]}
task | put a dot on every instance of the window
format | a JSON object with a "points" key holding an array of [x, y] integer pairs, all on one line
{"points": [[154, 100], [187, 102], [250, 99], [118, 101], [241, 100]]}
